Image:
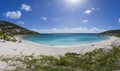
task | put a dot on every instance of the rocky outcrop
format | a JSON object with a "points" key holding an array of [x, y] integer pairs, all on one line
{"points": [[116, 43]]}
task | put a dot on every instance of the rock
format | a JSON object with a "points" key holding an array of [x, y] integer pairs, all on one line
{"points": [[116, 43], [3, 41], [3, 65]]}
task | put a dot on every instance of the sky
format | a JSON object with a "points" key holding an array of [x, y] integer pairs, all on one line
{"points": [[62, 16]]}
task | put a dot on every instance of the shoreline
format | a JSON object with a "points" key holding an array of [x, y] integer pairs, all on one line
{"points": [[28, 48], [65, 46], [68, 46]]}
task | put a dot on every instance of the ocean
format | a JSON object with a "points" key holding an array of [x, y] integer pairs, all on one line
{"points": [[63, 39]]}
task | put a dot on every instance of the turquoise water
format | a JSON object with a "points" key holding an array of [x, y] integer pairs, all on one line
{"points": [[65, 39]]}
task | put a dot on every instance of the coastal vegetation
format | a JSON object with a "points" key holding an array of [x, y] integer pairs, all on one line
{"points": [[97, 60], [9, 30], [112, 33]]}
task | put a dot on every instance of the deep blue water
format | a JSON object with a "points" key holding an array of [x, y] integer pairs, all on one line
{"points": [[65, 39]]}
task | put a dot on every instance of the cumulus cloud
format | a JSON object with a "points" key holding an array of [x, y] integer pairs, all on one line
{"points": [[44, 18], [89, 11], [71, 30], [26, 7], [85, 21], [119, 20], [13, 14], [21, 22], [94, 29]]}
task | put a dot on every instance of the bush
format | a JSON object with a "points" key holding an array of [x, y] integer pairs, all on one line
{"points": [[97, 60]]}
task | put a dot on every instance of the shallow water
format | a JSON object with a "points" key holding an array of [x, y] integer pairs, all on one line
{"points": [[65, 39]]}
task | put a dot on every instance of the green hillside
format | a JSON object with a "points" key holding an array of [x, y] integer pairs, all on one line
{"points": [[10, 28], [112, 33]]}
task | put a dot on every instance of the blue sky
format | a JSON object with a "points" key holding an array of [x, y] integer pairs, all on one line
{"points": [[62, 16]]}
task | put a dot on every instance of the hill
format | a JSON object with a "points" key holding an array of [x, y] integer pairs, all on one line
{"points": [[10, 28], [112, 33]]}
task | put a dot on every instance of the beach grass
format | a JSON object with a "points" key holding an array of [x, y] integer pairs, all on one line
{"points": [[97, 60], [102, 58]]}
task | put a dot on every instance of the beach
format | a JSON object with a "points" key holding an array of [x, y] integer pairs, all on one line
{"points": [[15, 50], [27, 48]]}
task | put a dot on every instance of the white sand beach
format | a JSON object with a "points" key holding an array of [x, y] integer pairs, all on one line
{"points": [[14, 50], [27, 48]]}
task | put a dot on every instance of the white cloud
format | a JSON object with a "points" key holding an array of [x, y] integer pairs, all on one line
{"points": [[119, 20], [93, 8], [89, 11], [55, 19], [94, 29], [96, 9], [44, 18], [26, 7], [71, 30], [36, 30], [21, 22], [54, 29], [85, 21], [13, 14]]}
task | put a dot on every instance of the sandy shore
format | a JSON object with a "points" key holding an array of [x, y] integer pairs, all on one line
{"points": [[27, 48]]}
